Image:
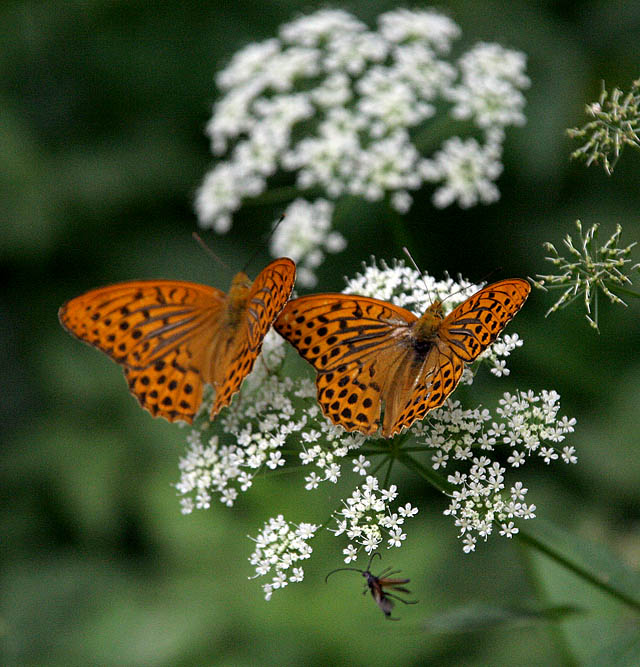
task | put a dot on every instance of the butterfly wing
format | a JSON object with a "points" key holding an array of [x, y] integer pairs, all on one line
{"points": [[152, 328], [435, 378], [473, 325], [268, 295], [357, 344]]}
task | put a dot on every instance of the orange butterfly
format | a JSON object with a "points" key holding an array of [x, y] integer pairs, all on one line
{"points": [[368, 351], [172, 336]]}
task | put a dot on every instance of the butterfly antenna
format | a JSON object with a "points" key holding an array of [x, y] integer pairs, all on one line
{"points": [[482, 280], [271, 233], [418, 269], [198, 239], [488, 275]]}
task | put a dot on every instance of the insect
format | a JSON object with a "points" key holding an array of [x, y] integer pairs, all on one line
{"points": [[369, 353], [171, 337], [378, 584]]}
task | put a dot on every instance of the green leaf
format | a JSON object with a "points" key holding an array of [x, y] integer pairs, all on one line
{"points": [[621, 651], [591, 561], [482, 616]]}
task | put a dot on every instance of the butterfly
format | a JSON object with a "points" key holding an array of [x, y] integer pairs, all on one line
{"points": [[171, 336], [369, 352], [377, 585]]}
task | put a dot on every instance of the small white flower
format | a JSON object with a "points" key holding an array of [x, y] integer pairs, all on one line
{"points": [[360, 465], [508, 529], [396, 537], [469, 544], [350, 553], [440, 459], [518, 491], [407, 510], [548, 454], [312, 481], [275, 460]]}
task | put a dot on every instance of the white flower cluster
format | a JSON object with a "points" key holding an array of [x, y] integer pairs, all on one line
{"points": [[305, 234], [407, 287], [259, 423], [366, 519], [525, 422], [279, 547], [490, 89], [467, 170], [347, 109]]}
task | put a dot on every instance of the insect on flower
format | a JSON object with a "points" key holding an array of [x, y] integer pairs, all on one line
{"points": [[172, 337], [377, 584]]}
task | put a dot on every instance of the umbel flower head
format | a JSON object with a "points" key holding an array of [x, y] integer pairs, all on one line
{"points": [[347, 110], [275, 424], [590, 269], [615, 124]]}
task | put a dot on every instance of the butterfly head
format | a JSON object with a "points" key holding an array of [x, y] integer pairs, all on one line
{"points": [[237, 297], [426, 327], [240, 281]]}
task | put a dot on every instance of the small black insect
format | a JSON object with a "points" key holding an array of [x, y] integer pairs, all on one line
{"points": [[377, 585]]}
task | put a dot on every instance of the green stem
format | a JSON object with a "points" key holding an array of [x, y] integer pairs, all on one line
{"points": [[375, 470], [624, 290], [286, 193], [587, 560], [558, 637], [426, 473], [385, 484]]}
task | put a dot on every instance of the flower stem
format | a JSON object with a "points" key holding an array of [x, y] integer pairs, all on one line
{"points": [[426, 473], [587, 560], [625, 291], [286, 193], [558, 637]]}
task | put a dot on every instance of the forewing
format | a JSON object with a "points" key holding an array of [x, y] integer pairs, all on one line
{"points": [[473, 325], [352, 342], [153, 329], [330, 330], [268, 295]]}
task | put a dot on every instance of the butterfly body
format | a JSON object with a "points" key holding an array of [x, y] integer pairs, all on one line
{"points": [[371, 354], [173, 337]]}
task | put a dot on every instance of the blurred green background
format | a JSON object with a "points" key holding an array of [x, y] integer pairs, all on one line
{"points": [[102, 147]]}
